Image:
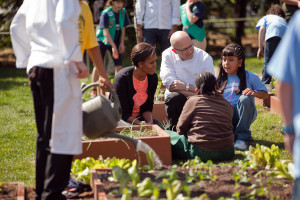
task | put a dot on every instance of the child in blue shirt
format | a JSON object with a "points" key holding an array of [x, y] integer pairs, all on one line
{"points": [[271, 29], [239, 87]]}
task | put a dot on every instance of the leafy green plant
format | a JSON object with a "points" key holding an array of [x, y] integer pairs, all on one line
{"points": [[264, 156], [120, 175], [173, 188], [150, 159], [284, 169], [133, 173], [145, 188], [240, 177], [81, 168], [127, 193], [142, 132]]}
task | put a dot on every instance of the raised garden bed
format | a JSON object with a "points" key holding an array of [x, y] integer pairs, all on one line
{"points": [[124, 149], [275, 106], [264, 102], [13, 190], [159, 112], [215, 183]]}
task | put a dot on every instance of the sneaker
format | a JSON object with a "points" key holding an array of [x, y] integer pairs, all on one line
{"points": [[93, 93], [241, 145]]}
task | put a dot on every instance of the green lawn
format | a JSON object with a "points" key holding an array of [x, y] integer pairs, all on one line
{"points": [[17, 134]]}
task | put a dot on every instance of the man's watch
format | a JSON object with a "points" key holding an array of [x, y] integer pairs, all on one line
{"points": [[187, 86], [288, 129]]}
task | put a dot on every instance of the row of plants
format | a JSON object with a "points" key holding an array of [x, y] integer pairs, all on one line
{"points": [[177, 182]]}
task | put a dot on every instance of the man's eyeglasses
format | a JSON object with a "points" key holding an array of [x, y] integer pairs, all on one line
{"points": [[184, 50]]}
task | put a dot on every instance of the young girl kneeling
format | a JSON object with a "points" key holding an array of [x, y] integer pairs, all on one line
{"points": [[205, 124], [239, 87]]}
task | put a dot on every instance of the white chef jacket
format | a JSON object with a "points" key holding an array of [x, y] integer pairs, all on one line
{"points": [[158, 14], [45, 34], [174, 68]]}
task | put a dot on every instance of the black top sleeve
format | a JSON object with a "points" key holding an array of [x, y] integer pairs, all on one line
{"points": [[122, 87]]}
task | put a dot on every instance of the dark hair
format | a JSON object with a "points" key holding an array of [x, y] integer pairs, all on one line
{"points": [[276, 10], [205, 83], [141, 52], [236, 50], [109, 3]]}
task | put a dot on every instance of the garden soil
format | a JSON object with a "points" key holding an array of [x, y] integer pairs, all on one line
{"points": [[222, 186]]}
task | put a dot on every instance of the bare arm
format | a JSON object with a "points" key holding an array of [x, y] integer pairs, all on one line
{"points": [[133, 120], [122, 46], [259, 94], [148, 117], [139, 33], [115, 53], [261, 38], [292, 2], [140, 11], [192, 18], [96, 58], [174, 28], [179, 86], [286, 102]]}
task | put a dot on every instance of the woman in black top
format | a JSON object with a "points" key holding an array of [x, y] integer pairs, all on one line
{"points": [[137, 106]]}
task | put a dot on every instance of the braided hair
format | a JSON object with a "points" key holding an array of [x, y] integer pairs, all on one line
{"points": [[141, 52], [236, 50], [205, 83]]}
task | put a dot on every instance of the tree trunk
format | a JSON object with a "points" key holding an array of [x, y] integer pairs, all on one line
{"points": [[240, 11]]}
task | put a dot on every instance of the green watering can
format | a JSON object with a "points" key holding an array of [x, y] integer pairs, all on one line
{"points": [[100, 115]]}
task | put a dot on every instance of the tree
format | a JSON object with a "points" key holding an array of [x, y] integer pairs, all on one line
{"points": [[8, 10]]}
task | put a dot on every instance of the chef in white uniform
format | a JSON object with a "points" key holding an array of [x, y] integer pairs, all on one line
{"points": [[45, 41]]}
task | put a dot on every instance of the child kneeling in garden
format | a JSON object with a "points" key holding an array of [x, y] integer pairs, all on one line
{"points": [[205, 124], [239, 87]]}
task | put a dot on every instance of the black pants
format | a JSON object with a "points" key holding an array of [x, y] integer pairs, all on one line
{"points": [[174, 103], [52, 170], [270, 47]]}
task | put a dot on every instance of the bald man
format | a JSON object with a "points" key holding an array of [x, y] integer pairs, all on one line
{"points": [[181, 63]]}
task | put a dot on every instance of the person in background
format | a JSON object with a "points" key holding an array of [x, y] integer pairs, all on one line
{"points": [[239, 87], [88, 41], [271, 29], [205, 125], [284, 66], [157, 20], [111, 34], [192, 15], [111, 31], [44, 36], [136, 85], [180, 65], [290, 7], [98, 6]]}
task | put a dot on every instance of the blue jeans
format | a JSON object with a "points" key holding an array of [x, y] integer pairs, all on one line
{"points": [[270, 47], [296, 189], [153, 36], [244, 115]]}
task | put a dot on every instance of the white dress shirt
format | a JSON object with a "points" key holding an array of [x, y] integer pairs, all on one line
{"points": [[174, 68], [45, 34], [158, 14]]}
